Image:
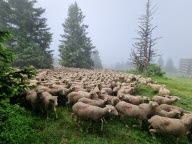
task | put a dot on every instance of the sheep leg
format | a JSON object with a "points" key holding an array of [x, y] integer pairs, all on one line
{"points": [[101, 124], [79, 124], [72, 117], [47, 114], [153, 131], [90, 124], [55, 111], [104, 120], [140, 124], [149, 126], [122, 120]]}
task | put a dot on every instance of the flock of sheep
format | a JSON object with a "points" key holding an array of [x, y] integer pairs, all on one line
{"points": [[94, 95]]}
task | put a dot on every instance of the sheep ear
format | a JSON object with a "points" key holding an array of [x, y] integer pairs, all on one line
{"points": [[109, 110]]}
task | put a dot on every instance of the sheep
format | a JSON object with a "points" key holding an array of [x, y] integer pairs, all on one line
{"points": [[136, 100], [174, 113], [88, 112], [47, 103], [126, 91], [140, 112], [142, 81], [32, 99], [42, 89], [164, 100], [163, 91], [115, 101], [108, 90], [168, 108], [43, 101], [61, 93], [171, 126], [73, 97], [148, 80], [155, 87], [116, 89], [99, 103]]}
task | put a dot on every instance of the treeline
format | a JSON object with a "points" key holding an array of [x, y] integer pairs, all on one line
{"points": [[32, 37]]}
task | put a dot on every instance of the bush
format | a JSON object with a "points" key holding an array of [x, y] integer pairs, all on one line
{"points": [[154, 70], [15, 127]]}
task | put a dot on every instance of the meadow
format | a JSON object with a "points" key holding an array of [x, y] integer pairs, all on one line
{"points": [[66, 131]]}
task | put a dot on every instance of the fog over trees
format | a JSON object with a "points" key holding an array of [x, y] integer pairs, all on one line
{"points": [[32, 37]]}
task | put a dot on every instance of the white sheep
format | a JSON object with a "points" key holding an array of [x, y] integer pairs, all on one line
{"points": [[163, 91], [140, 112], [88, 112], [170, 126]]}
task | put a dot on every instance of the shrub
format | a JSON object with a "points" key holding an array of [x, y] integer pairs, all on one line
{"points": [[154, 70], [15, 127]]}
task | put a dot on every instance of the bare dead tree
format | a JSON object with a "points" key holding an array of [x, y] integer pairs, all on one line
{"points": [[143, 51]]}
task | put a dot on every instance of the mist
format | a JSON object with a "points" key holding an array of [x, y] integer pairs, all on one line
{"points": [[113, 25]]}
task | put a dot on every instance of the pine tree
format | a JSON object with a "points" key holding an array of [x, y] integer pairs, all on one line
{"points": [[96, 59], [76, 47], [31, 35]]}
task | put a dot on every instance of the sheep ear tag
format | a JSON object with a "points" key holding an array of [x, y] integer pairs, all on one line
{"points": [[109, 110]]}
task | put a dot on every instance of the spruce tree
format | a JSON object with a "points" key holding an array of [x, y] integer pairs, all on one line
{"points": [[31, 34], [76, 47]]}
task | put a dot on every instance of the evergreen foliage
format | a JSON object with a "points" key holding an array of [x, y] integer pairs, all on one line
{"points": [[14, 126], [76, 47], [31, 35]]}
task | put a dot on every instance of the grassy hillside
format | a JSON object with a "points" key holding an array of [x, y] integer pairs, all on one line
{"points": [[64, 131]]}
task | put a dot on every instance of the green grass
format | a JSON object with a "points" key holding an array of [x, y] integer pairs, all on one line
{"points": [[65, 131]]}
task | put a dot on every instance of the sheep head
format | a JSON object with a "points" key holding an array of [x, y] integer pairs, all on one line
{"points": [[111, 110]]}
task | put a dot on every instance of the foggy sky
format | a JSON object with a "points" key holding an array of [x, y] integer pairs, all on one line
{"points": [[113, 25]]}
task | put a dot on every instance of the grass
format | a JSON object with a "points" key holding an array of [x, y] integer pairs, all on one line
{"points": [[65, 131]]}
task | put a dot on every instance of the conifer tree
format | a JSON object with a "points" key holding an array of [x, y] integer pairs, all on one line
{"points": [[76, 47], [31, 34]]}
